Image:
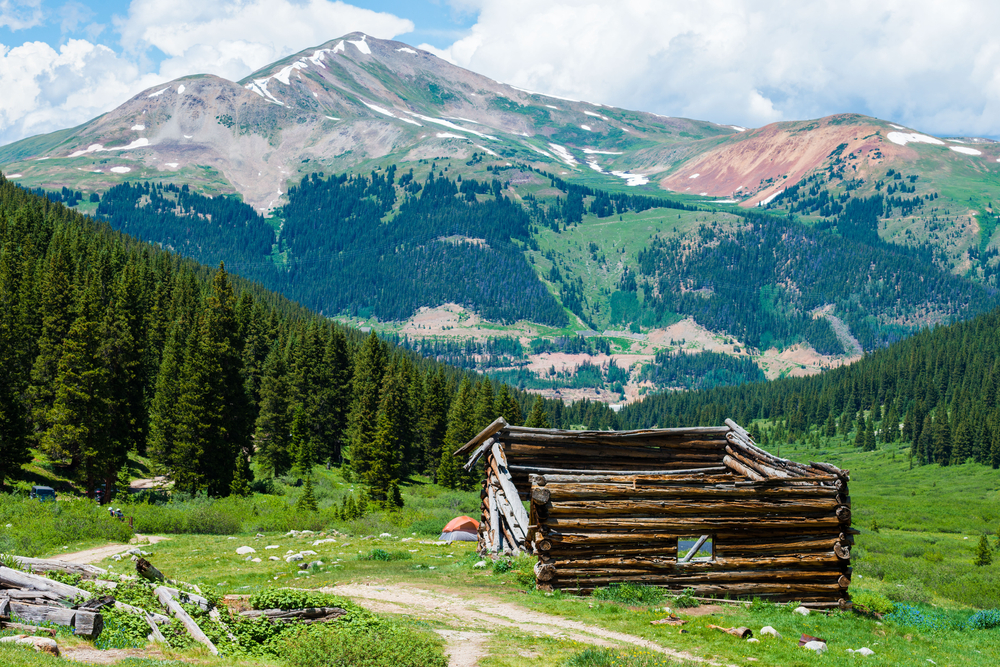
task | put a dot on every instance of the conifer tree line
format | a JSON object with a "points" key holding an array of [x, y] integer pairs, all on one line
{"points": [[109, 345], [938, 390]]}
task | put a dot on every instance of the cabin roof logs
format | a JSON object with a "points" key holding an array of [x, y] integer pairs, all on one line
{"points": [[702, 508]]}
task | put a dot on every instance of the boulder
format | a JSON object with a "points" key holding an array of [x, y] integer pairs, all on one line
{"points": [[864, 650], [767, 630], [243, 551], [801, 610], [819, 647], [43, 644]]}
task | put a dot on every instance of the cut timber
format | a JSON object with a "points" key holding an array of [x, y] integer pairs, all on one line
{"points": [[168, 601], [86, 623], [499, 465], [311, 613], [498, 424], [189, 598], [46, 565], [147, 571], [17, 579], [494, 530], [582, 475], [478, 454]]}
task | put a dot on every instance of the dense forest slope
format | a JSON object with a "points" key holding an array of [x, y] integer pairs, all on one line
{"points": [[938, 390], [110, 345]]}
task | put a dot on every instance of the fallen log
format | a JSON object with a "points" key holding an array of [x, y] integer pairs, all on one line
{"points": [[17, 579], [168, 601], [309, 614], [24, 627], [47, 565], [146, 570], [86, 623]]}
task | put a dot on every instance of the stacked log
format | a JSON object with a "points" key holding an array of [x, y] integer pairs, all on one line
{"points": [[35, 599], [610, 507]]}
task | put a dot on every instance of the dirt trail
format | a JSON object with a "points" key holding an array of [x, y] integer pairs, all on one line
{"points": [[484, 613], [100, 553]]}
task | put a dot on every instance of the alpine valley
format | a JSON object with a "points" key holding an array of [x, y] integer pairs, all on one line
{"points": [[565, 246]]}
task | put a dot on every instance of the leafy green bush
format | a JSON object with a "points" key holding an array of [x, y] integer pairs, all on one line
{"points": [[502, 565], [375, 644], [630, 594], [612, 657], [875, 602], [985, 619], [64, 577], [290, 598], [926, 620], [121, 630], [686, 599], [38, 528], [383, 555]]}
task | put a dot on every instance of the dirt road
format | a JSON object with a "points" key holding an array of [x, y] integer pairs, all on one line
{"points": [[474, 618], [100, 553]]}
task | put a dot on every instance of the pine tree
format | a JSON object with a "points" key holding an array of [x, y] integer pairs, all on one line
{"points": [[860, 436], [369, 369], [962, 447], [163, 410], [435, 418], [307, 501], [274, 419], [395, 497], [537, 418], [984, 555], [830, 427], [942, 439], [485, 411], [301, 442], [123, 482], [507, 406], [242, 476], [461, 429], [870, 445], [890, 425]]}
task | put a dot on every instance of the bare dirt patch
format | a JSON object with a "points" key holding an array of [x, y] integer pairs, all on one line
{"points": [[100, 553], [483, 613]]}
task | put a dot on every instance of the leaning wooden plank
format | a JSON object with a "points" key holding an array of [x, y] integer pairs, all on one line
{"points": [[17, 579], [168, 601], [47, 565], [499, 466], [494, 534], [476, 455], [518, 530], [498, 425]]}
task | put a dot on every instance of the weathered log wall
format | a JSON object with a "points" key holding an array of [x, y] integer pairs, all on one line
{"points": [[778, 539]]}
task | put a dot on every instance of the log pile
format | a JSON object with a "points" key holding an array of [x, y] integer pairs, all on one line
{"points": [[615, 507], [34, 599]]}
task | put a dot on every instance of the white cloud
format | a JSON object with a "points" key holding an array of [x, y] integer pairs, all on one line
{"points": [[20, 14], [235, 37], [931, 65]]}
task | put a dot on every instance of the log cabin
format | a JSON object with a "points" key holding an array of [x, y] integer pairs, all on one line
{"points": [[700, 508]]}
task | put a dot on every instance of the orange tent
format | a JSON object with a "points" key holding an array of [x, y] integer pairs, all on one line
{"points": [[461, 529]]}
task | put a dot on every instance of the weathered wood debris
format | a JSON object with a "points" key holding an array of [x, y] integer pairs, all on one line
{"points": [[32, 598], [700, 508]]}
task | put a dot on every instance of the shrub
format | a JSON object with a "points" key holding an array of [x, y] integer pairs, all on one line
{"points": [[630, 594], [121, 630], [291, 598], [874, 602], [984, 619], [686, 599], [377, 644], [613, 657], [383, 555]]}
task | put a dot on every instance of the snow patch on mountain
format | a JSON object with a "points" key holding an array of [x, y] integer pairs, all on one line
{"points": [[553, 107], [595, 115], [362, 45], [159, 92], [448, 135], [180, 89], [138, 128], [563, 155], [378, 109], [898, 127], [99, 148], [631, 179], [592, 163], [548, 154], [487, 150], [407, 49], [120, 170], [965, 151], [591, 151], [340, 47], [738, 128], [694, 175], [450, 125], [903, 138], [586, 127]]}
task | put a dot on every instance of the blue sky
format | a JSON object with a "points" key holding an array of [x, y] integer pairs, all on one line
{"points": [[925, 64]]}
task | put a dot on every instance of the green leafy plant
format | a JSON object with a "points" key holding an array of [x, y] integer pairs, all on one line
{"points": [[630, 594], [383, 555], [68, 578], [11, 561], [121, 630], [376, 644], [289, 598], [686, 599], [873, 602]]}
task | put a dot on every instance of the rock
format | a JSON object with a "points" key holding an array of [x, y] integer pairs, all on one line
{"points": [[303, 566], [294, 558], [116, 557], [326, 541], [819, 647], [385, 535], [481, 563], [230, 538], [864, 650], [753, 640], [801, 610], [272, 546], [255, 560], [43, 644], [134, 551], [308, 553], [316, 563], [259, 535], [248, 558], [769, 631], [243, 551], [273, 558]]}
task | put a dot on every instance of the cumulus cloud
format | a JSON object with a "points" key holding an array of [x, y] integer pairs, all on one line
{"points": [[235, 37], [930, 65]]}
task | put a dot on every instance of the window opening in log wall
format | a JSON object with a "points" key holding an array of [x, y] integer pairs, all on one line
{"points": [[695, 549]]}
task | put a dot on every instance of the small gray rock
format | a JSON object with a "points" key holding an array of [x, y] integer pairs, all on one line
{"points": [[769, 631], [819, 647], [801, 610]]}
